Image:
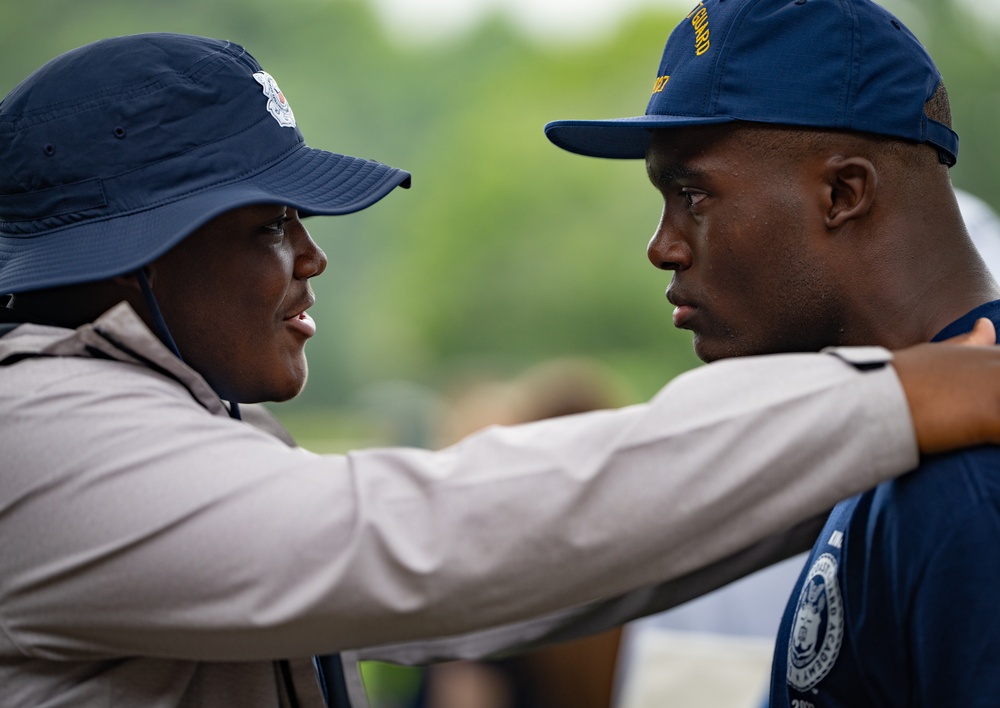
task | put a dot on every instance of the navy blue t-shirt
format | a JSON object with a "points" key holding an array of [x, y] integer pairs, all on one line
{"points": [[899, 602]]}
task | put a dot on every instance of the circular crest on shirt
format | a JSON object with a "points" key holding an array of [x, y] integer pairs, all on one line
{"points": [[818, 631]]}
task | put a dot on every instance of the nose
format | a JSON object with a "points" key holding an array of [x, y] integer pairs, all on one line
{"points": [[311, 260], [667, 250]]}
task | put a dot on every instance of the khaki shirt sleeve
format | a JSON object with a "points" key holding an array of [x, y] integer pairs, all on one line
{"points": [[600, 616], [142, 525]]}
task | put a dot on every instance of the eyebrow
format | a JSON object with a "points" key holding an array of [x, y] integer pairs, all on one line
{"points": [[672, 173]]}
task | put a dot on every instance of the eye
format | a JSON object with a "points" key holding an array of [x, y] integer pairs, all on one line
{"points": [[277, 227], [693, 198]]}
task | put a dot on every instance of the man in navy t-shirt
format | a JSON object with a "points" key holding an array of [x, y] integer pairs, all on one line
{"points": [[802, 149], [897, 604]]}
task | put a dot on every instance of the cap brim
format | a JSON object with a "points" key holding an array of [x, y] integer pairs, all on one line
{"points": [[618, 138], [314, 182]]}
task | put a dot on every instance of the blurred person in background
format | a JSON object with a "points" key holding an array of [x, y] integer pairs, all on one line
{"points": [[983, 225], [576, 674]]}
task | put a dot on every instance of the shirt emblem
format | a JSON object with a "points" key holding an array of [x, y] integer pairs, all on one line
{"points": [[818, 631], [277, 106]]}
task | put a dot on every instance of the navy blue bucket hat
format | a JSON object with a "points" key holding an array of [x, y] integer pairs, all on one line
{"points": [[114, 152], [833, 64]]}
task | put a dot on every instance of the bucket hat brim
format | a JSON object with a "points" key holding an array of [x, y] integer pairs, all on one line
{"points": [[315, 182]]}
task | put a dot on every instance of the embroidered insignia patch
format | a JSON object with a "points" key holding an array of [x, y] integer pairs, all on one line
{"points": [[818, 631], [277, 105]]}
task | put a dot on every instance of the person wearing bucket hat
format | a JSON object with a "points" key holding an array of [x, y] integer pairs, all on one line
{"points": [[159, 551], [802, 150]]}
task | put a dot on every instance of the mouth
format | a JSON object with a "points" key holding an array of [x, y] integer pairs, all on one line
{"points": [[300, 321], [682, 315], [684, 309]]}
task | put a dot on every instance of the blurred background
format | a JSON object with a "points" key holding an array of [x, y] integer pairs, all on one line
{"points": [[507, 253]]}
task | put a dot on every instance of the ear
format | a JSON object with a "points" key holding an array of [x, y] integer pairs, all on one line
{"points": [[851, 183]]}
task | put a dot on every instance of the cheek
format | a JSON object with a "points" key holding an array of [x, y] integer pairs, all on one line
{"points": [[752, 274], [257, 306], [737, 266]]}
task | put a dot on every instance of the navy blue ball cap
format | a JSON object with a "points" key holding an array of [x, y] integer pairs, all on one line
{"points": [[833, 64], [114, 152]]}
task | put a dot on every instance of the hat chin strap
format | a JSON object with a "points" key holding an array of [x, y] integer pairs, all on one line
{"points": [[163, 332]]}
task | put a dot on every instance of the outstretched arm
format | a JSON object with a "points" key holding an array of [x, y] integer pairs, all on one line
{"points": [[509, 525], [953, 392]]}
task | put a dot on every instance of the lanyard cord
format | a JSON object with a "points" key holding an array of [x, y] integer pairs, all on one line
{"points": [[163, 332], [286, 677], [159, 324]]}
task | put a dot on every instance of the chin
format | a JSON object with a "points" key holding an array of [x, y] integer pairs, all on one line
{"points": [[706, 350], [285, 394], [288, 378], [267, 395], [286, 389], [710, 349], [270, 389], [295, 384]]}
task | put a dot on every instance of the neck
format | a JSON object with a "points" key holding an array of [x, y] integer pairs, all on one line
{"points": [[920, 286]]}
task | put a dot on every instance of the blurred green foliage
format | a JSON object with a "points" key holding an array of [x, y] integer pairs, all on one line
{"points": [[507, 251]]}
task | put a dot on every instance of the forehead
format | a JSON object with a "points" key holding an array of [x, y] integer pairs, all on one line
{"points": [[695, 150]]}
